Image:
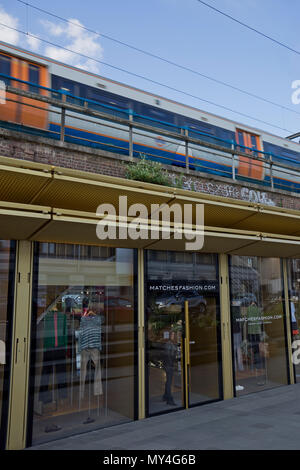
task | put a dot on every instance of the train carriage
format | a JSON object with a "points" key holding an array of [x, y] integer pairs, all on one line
{"points": [[34, 73]]}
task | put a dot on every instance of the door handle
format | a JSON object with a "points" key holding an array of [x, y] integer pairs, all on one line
{"points": [[17, 346], [25, 350], [192, 342]]}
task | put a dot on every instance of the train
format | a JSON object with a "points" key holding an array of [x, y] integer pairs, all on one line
{"points": [[33, 72]]}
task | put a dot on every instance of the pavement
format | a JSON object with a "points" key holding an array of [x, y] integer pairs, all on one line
{"points": [[267, 420]]}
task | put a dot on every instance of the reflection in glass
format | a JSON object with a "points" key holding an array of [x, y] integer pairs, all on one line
{"points": [[84, 339], [257, 312], [294, 301], [7, 252], [172, 278]]}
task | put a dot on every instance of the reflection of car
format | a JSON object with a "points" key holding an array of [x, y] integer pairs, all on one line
{"points": [[196, 301], [243, 300], [72, 299]]}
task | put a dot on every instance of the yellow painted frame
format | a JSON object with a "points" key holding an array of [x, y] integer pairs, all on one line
{"points": [[226, 343], [20, 357]]}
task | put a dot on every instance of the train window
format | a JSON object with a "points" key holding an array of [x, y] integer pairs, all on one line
{"points": [[226, 135], [240, 138], [253, 142], [198, 126], [278, 152], [158, 114], [5, 68], [33, 77], [201, 130], [108, 99], [59, 83]]}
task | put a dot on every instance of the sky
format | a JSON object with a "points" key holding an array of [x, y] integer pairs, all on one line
{"points": [[182, 31]]}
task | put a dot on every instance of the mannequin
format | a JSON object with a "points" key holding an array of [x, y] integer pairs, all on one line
{"points": [[89, 347], [54, 360]]}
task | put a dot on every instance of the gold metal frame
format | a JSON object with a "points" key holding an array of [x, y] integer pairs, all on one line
{"points": [[227, 371], [187, 359], [18, 398], [141, 336]]}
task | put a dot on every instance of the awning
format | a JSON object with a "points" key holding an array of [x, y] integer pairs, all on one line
{"points": [[45, 203], [21, 221]]}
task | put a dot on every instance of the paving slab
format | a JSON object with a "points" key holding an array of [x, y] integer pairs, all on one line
{"points": [[265, 420]]}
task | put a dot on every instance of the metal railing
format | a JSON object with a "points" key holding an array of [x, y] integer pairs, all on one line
{"points": [[126, 132]]}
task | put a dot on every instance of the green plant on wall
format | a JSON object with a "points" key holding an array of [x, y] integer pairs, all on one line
{"points": [[148, 171], [153, 172]]}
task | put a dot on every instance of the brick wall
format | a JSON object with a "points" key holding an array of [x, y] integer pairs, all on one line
{"points": [[25, 147]]}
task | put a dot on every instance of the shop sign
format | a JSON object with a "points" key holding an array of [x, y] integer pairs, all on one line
{"points": [[183, 287]]}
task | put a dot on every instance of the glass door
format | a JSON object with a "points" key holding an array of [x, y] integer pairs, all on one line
{"points": [[183, 357], [202, 347]]}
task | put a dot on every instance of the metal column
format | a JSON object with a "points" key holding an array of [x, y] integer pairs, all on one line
{"points": [[141, 335], [225, 328], [18, 398]]}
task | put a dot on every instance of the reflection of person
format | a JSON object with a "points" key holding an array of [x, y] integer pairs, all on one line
{"points": [[295, 329], [89, 346], [254, 327], [69, 304], [169, 358], [55, 346], [237, 337]]}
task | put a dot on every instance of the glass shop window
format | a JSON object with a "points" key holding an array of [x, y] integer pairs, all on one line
{"points": [[83, 341], [258, 323]]}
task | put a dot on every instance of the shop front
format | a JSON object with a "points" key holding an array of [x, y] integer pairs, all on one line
{"points": [[118, 334], [97, 332]]}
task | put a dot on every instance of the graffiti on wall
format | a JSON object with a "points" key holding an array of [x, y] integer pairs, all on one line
{"points": [[226, 190]]}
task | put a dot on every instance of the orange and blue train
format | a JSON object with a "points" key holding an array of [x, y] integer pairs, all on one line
{"points": [[38, 74]]}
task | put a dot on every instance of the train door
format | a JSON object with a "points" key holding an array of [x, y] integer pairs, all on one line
{"points": [[33, 112], [19, 109], [8, 67], [249, 166]]}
